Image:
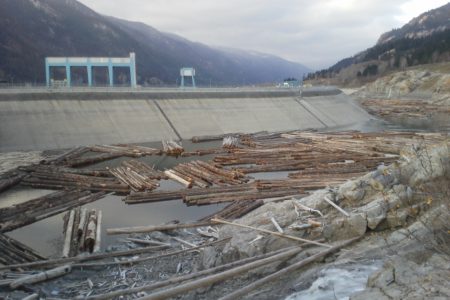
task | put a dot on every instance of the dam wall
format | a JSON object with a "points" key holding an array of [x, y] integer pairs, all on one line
{"points": [[56, 120]]}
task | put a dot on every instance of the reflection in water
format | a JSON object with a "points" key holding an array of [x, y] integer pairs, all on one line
{"points": [[43, 235]]}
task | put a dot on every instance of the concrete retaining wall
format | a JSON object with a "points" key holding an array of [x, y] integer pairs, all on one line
{"points": [[50, 124]]}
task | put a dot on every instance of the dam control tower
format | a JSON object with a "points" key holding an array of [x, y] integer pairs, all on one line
{"points": [[89, 62]]}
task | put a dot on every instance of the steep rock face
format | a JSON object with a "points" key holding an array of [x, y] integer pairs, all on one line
{"points": [[34, 29]]}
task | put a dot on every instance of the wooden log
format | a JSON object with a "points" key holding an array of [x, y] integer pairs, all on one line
{"points": [[92, 160], [82, 223], [80, 259], [218, 221], [8, 183], [98, 234], [145, 229], [147, 242], [171, 175], [238, 294], [207, 138], [211, 279], [89, 240], [42, 276], [68, 237]]}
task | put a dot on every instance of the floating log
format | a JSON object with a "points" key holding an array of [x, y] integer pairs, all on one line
{"points": [[64, 157], [42, 276], [98, 234], [68, 236], [178, 178], [145, 229], [9, 182], [78, 162], [207, 138], [13, 251]]}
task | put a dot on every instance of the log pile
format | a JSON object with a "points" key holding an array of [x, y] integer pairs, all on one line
{"points": [[213, 195], [138, 175], [82, 232], [395, 108], [25, 213], [126, 150], [158, 196], [172, 148], [298, 151], [56, 178], [204, 174], [13, 252]]}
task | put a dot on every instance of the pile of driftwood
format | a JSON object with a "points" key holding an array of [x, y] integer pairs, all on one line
{"points": [[395, 108], [319, 153], [172, 148], [138, 175], [204, 174], [25, 213], [82, 231]]}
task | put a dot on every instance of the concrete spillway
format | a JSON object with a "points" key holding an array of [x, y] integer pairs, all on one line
{"points": [[38, 121]]}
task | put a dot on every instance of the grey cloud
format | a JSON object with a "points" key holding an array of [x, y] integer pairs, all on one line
{"points": [[315, 33]]}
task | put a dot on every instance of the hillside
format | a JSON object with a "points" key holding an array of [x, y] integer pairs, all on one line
{"points": [[423, 40], [34, 29]]}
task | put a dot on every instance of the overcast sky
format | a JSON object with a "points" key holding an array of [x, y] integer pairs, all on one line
{"points": [[316, 33]]}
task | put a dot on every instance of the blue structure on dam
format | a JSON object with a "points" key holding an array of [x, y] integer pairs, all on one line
{"points": [[89, 63]]}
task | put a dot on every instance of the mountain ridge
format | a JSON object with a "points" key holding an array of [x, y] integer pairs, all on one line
{"points": [[34, 29], [424, 39]]}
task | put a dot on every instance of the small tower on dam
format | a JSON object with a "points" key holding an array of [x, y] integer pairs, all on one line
{"points": [[90, 62], [187, 72]]}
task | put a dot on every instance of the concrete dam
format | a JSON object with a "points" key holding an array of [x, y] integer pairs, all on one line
{"points": [[40, 120]]}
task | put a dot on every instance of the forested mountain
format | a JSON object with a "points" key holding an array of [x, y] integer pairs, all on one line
{"points": [[425, 39], [34, 29]]}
